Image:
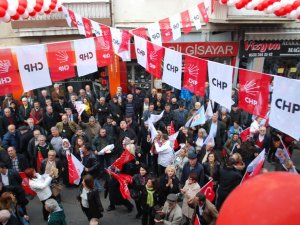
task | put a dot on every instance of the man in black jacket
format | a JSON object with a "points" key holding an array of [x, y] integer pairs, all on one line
{"points": [[102, 110], [18, 162], [50, 119]]}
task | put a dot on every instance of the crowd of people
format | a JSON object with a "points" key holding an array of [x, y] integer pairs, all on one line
{"points": [[38, 133]]}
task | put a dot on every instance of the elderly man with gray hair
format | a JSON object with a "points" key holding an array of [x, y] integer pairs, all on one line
{"points": [[57, 214], [91, 129], [7, 218]]}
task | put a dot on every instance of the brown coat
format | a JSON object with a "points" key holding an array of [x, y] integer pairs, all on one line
{"points": [[73, 126], [210, 213]]}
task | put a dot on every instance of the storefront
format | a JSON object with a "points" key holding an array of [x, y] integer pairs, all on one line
{"points": [[278, 57]]}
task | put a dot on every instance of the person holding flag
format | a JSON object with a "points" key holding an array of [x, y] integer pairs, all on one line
{"points": [[205, 213]]}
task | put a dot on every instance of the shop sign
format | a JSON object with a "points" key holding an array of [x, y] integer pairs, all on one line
{"points": [[253, 49]]}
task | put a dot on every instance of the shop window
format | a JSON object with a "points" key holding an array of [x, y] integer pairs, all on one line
{"points": [[286, 67]]}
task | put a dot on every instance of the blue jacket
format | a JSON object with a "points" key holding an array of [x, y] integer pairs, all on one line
{"points": [[11, 140], [198, 169]]}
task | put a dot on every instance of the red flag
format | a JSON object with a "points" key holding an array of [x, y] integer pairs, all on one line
{"points": [[73, 18], [104, 49], [208, 191], [123, 159], [197, 221], [61, 61], [186, 22], [141, 32], [73, 175], [124, 180], [254, 92], [166, 30], [25, 184], [9, 77], [245, 134], [195, 74], [155, 55], [87, 27], [124, 46], [39, 160], [172, 131], [203, 12]]}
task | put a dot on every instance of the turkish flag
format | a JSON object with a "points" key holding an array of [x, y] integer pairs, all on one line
{"points": [[208, 191], [123, 159], [166, 30], [124, 180], [61, 61], [141, 32], [254, 92], [245, 134], [104, 51], [87, 27], [124, 46], [25, 184], [39, 160], [9, 77], [75, 169], [186, 22], [203, 12], [73, 18], [195, 73], [155, 55]]}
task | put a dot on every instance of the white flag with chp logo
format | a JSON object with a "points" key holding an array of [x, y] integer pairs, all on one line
{"points": [[85, 52], [220, 83], [33, 67], [172, 68], [96, 28], [285, 106], [67, 16], [116, 36], [195, 16], [176, 26], [141, 50], [154, 33], [80, 25]]}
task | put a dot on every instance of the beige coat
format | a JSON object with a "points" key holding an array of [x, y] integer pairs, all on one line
{"points": [[190, 192], [174, 217]]}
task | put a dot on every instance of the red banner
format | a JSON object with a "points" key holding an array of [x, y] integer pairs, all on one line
{"points": [[25, 184], [155, 55], [61, 61], [87, 27], [195, 73], [186, 22], [9, 77], [203, 12], [166, 30], [141, 32], [73, 18], [123, 159], [124, 46], [254, 92], [104, 51]]}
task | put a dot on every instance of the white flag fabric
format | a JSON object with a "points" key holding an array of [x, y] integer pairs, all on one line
{"points": [[172, 138], [116, 35], [85, 52], [141, 50], [154, 33], [176, 26], [255, 162], [209, 139], [80, 107], [285, 106], [79, 168], [220, 80], [152, 130], [96, 28], [80, 25], [172, 68], [33, 67], [67, 16], [154, 118], [209, 112], [195, 16]]}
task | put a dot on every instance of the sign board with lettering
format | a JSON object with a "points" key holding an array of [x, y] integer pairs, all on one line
{"points": [[252, 49]]}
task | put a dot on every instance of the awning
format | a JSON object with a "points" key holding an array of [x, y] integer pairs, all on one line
{"points": [[276, 35]]}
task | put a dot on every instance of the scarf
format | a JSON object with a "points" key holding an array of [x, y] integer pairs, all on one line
{"points": [[150, 199]]}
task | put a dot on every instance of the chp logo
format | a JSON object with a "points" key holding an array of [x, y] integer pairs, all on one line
{"points": [[250, 88], [62, 57], [4, 66], [153, 57], [193, 71]]}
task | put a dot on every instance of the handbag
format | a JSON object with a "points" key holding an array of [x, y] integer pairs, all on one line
{"points": [[56, 189]]}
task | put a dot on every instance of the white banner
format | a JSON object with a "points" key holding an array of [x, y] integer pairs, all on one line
{"points": [[116, 35], [141, 50], [33, 67], [176, 26], [67, 16], [80, 25], [220, 83], [285, 106], [96, 28], [85, 52], [195, 16], [154, 33], [172, 68]]}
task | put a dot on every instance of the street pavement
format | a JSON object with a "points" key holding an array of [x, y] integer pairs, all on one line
{"points": [[74, 214]]}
